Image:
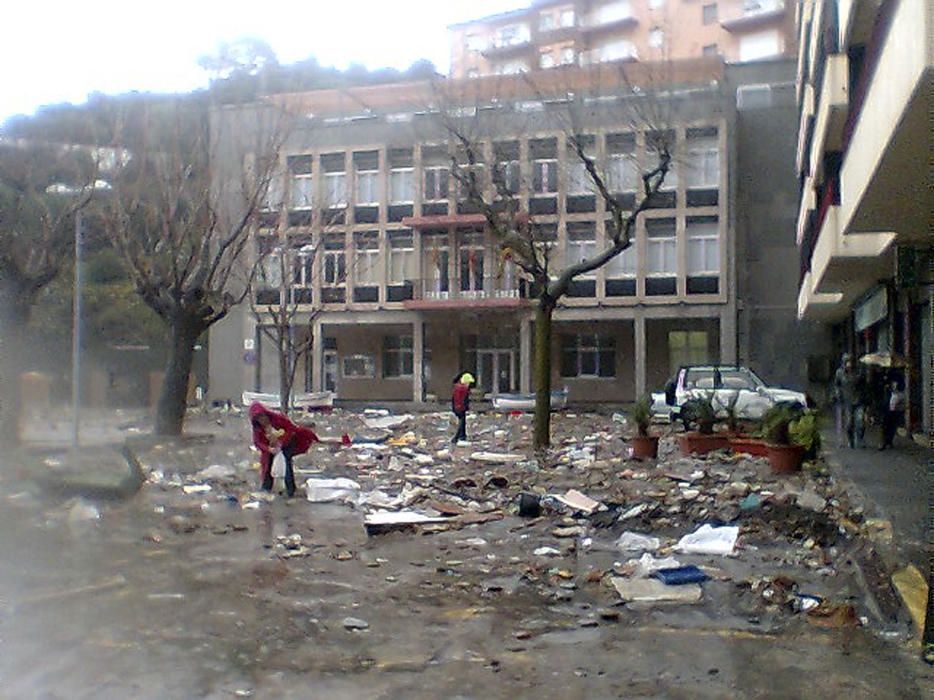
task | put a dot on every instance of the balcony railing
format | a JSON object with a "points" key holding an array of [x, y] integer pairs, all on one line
{"points": [[470, 290], [754, 14]]}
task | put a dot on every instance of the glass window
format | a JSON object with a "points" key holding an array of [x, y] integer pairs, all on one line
{"points": [[622, 173], [687, 348], [546, 60], [273, 197], [544, 176], [507, 174], [567, 56], [402, 186], [334, 262], [581, 244], [709, 13], [436, 183], [546, 21], [710, 50], [661, 248], [611, 12], [656, 38], [579, 180], [335, 190], [623, 265], [760, 45], [588, 355], [368, 187], [703, 237], [702, 169], [366, 259], [397, 356], [567, 18], [303, 264], [402, 262], [359, 366]]}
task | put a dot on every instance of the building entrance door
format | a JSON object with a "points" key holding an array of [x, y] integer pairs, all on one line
{"points": [[330, 370], [496, 371]]}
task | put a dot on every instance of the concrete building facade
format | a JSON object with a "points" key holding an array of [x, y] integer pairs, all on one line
{"points": [[559, 33], [401, 284], [864, 86]]}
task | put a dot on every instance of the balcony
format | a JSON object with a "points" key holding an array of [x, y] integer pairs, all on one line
{"points": [[504, 48], [805, 124], [755, 15], [885, 169], [595, 27], [456, 293], [831, 112]]}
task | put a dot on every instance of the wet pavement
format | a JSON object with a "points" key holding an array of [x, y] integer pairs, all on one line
{"points": [[184, 592]]}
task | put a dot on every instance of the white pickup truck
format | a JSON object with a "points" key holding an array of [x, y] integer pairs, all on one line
{"points": [[722, 385]]}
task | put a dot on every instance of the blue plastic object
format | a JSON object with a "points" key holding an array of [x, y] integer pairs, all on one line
{"points": [[681, 575]]}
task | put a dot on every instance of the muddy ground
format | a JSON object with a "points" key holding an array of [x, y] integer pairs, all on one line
{"points": [[184, 592]]}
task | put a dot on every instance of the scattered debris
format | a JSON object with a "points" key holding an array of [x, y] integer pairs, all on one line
{"points": [[635, 590], [709, 540]]}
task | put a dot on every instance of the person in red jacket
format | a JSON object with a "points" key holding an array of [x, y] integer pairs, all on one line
{"points": [[274, 432], [460, 404]]}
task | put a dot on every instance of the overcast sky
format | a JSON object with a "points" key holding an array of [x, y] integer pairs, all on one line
{"points": [[60, 51]]}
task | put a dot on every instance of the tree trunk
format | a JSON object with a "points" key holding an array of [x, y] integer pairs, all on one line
{"points": [[13, 321], [173, 400], [927, 638], [285, 383], [542, 374]]}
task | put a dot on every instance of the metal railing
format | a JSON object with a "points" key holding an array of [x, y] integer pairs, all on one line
{"points": [[473, 289]]}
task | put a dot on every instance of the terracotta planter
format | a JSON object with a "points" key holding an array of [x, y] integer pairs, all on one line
{"points": [[785, 459], [700, 444], [645, 447], [749, 446]]}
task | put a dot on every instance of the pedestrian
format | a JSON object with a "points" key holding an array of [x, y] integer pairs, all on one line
{"points": [[460, 404], [839, 378], [854, 391], [895, 406], [273, 432]]}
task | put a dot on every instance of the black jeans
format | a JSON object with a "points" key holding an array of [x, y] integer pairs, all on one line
{"points": [[461, 433], [289, 474], [889, 428]]}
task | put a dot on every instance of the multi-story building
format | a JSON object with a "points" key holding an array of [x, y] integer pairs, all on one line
{"points": [[556, 33], [402, 285], [864, 166]]}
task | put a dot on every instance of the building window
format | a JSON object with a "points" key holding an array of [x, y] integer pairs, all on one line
{"points": [[702, 169], [709, 13], [703, 234], [436, 184], [303, 265], [579, 180], [359, 367], [402, 185], [335, 185], [656, 38], [711, 50], [334, 265], [397, 356], [611, 12], [581, 244], [545, 176], [301, 194], [623, 266], [464, 186], [568, 57], [368, 188], [656, 4], [622, 173], [546, 60], [475, 42], [402, 262], [511, 68], [617, 50], [507, 178], [546, 22], [366, 259], [588, 355], [686, 348], [566, 18], [661, 248], [760, 45]]}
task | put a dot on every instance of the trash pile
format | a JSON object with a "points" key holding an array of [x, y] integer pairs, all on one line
{"points": [[584, 514]]}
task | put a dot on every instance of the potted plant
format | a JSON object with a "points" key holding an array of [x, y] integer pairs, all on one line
{"points": [[784, 455], [644, 446], [805, 431], [699, 412], [741, 442]]}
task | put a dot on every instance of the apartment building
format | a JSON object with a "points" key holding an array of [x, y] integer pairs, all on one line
{"points": [[552, 34], [401, 284], [863, 161]]}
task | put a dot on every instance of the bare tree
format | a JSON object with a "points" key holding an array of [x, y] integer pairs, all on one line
{"points": [[182, 230], [42, 188], [560, 99]]}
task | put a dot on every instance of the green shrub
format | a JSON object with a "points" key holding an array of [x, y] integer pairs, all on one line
{"points": [[642, 415]]}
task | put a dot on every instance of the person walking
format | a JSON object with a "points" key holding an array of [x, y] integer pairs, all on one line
{"points": [[854, 391], [894, 407], [839, 378], [273, 433], [460, 404]]}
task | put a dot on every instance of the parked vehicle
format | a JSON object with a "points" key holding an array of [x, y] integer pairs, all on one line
{"points": [[726, 387]]}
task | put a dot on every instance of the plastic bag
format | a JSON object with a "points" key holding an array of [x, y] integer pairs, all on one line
{"points": [[709, 540], [278, 466]]}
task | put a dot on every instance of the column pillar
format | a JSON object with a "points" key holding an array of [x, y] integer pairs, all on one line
{"points": [[525, 355], [317, 355], [728, 335], [418, 354], [638, 329]]}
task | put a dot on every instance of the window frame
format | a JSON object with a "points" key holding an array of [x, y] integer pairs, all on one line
{"points": [[398, 356], [405, 170], [600, 346], [369, 366], [374, 174]]}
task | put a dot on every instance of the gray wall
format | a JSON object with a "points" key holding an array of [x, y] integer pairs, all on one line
{"points": [[771, 339]]}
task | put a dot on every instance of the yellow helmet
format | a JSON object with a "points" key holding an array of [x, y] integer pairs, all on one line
{"points": [[467, 378]]}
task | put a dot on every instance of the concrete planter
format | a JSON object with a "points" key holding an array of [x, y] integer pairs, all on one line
{"points": [[785, 459], [743, 444], [700, 444], [645, 447]]}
